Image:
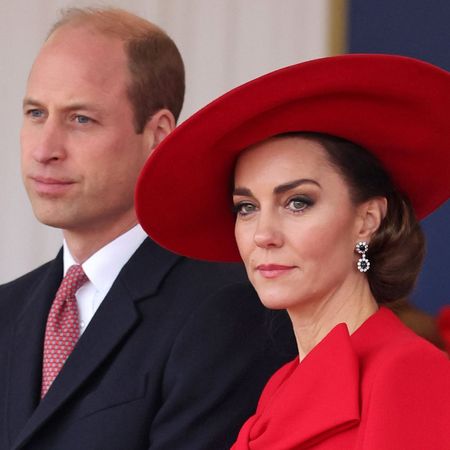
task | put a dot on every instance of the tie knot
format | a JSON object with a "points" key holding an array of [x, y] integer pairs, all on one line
{"points": [[75, 278]]}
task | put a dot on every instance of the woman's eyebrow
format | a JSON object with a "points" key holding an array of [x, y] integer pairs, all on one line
{"points": [[278, 189], [242, 191], [293, 184]]}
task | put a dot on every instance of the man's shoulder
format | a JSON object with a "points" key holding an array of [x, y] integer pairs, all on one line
{"points": [[19, 287], [14, 294], [28, 277], [210, 279], [222, 272], [176, 268]]}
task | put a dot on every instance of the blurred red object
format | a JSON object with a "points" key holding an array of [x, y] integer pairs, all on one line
{"points": [[443, 321]]}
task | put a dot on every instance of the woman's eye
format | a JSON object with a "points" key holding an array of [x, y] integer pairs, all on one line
{"points": [[244, 208], [297, 204]]}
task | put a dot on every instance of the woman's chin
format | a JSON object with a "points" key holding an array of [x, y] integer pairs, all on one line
{"points": [[276, 300]]}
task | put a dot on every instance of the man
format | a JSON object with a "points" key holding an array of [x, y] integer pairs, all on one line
{"points": [[138, 348]]}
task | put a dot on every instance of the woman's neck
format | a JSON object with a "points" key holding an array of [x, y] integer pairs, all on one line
{"points": [[312, 321]]}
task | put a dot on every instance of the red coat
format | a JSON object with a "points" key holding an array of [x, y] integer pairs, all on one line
{"points": [[382, 388]]}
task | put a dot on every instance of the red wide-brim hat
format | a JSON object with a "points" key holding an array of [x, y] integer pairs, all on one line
{"points": [[396, 107]]}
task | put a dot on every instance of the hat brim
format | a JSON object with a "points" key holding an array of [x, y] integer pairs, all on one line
{"points": [[396, 107]]}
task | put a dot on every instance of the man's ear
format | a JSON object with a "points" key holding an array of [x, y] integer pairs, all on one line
{"points": [[370, 213], [157, 128]]}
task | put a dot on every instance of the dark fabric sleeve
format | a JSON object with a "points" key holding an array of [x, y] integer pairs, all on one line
{"points": [[222, 358]]}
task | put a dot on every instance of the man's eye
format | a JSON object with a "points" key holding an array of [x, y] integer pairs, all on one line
{"points": [[34, 113], [82, 119]]}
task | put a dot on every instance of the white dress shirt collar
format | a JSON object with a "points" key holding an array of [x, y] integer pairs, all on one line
{"points": [[103, 266]]}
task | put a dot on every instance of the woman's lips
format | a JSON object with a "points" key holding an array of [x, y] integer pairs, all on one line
{"points": [[273, 270]]}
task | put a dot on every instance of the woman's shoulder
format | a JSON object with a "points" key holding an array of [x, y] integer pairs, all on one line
{"points": [[385, 338], [401, 361], [406, 390], [413, 356], [395, 362], [401, 344]]}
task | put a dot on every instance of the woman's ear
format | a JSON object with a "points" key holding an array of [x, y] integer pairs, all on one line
{"points": [[371, 213], [157, 128]]}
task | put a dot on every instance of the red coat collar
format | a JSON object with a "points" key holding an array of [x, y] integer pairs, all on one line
{"points": [[306, 403]]}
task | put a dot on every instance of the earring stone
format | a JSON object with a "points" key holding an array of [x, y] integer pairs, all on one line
{"points": [[363, 263]]}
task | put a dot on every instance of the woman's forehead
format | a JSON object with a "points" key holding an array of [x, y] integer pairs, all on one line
{"points": [[284, 153]]}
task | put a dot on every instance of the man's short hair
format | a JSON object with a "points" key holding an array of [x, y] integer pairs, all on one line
{"points": [[155, 64]]}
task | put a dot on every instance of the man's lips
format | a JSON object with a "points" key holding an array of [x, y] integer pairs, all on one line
{"points": [[48, 185], [273, 270]]}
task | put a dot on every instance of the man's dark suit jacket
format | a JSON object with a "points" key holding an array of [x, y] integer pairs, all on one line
{"points": [[175, 358]]}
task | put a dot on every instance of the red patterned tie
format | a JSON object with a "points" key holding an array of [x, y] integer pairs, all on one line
{"points": [[63, 327]]}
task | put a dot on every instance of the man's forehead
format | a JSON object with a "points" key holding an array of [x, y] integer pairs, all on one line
{"points": [[76, 50], [82, 41], [64, 74]]}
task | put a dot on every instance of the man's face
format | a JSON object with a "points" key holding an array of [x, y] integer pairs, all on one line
{"points": [[80, 153]]}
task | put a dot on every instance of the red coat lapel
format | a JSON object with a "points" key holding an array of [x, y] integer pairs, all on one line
{"points": [[308, 402]]}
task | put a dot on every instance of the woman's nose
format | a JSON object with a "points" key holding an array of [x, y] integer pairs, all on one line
{"points": [[268, 233]]}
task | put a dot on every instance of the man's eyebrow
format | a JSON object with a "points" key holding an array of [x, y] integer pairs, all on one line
{"points": [[30, 101], [82, 105], [293, 184]]}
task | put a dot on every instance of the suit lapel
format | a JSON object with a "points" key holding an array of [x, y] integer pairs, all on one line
{"points": [[26, 349], [115, 318]]}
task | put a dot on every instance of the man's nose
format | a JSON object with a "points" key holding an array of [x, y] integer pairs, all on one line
{"points": [[50, 143]]}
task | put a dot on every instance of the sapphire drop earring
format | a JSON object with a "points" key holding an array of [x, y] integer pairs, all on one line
{"points": [[363, 263]]}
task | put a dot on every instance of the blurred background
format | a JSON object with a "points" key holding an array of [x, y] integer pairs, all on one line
{"points": [[223, 43]]}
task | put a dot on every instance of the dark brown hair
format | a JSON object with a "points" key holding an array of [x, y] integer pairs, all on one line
{"points": [[154, 62], [397, 248]]}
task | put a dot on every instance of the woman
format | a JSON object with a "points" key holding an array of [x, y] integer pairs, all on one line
{"points": [[328, 165]]}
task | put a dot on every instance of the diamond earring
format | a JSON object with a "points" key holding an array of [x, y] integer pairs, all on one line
{"points": [[363, 263]]}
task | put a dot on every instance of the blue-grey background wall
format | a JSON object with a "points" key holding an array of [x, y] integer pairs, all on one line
{"points": [[418, 28]]}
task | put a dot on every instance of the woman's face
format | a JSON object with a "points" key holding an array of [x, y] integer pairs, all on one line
{"points": [[296, 226]]}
